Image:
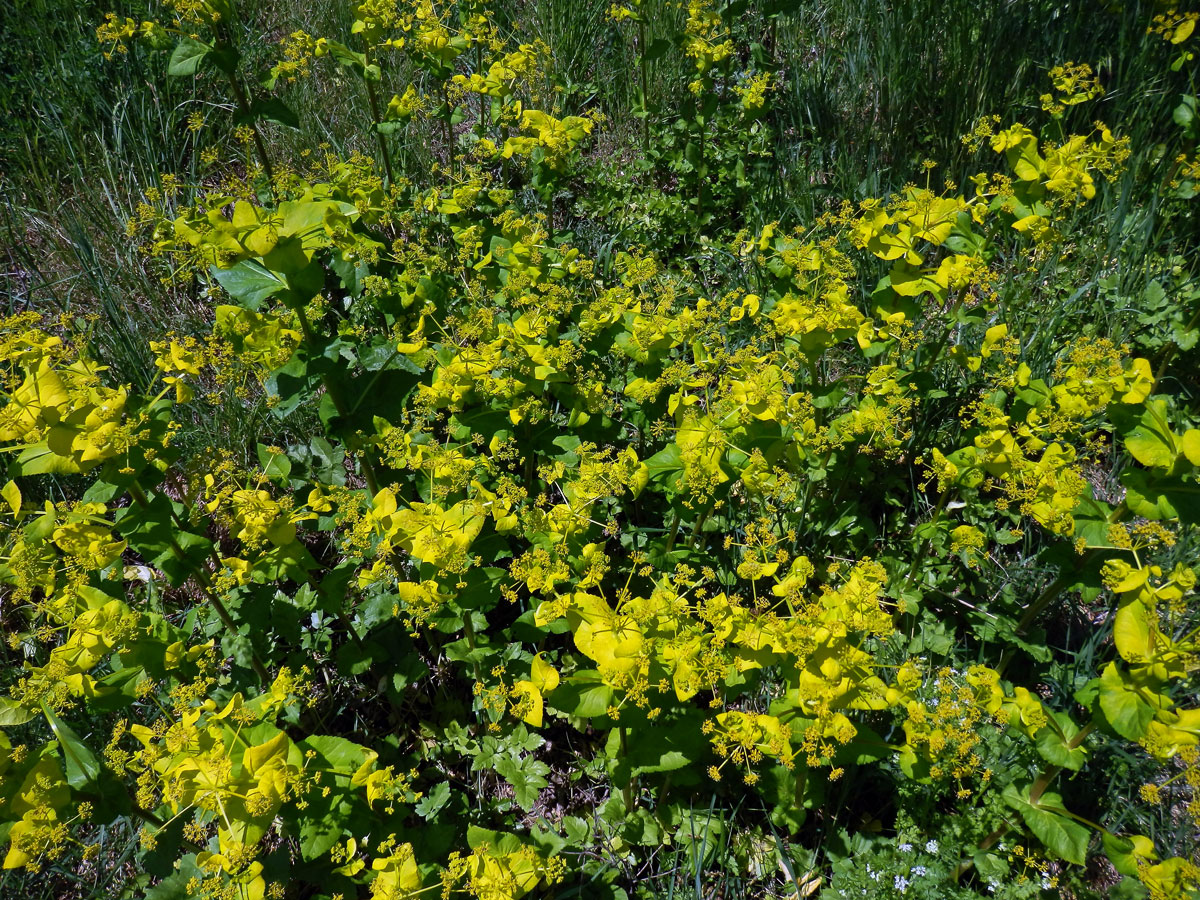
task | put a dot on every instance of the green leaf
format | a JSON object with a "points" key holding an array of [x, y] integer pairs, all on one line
{"points": [[1147, 438], [348, 58], [82, 766], [276, 466], [1133, 632], [1124, 852], [1161, 497], [13, 713], [439, 795], [12, 496], [187, 56], [1054, 746], [583, 695], [302, 216], [318, 834], [1184, 115], [1127, 713], [1047, 819], [658, 48], [1189, 445], [177, 886], [527, 777], [152, 531], [249, 283], [335, 752], [39, 459], [293, 385], [272, 109], [668, 745], [666, 466], [499, 841], [1145, 497]]}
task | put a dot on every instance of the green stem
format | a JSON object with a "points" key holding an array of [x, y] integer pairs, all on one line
{"points": [[627, 790], [1056, 587], [260, 146], [952, 314], [700, 170], [674, 528], [699, 526], [645, 95], [447, 127], [469, 634], [376, 117], [1040, 785]]}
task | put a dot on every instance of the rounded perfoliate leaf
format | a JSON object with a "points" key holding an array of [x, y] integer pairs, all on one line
{"points": [[187, 57]]}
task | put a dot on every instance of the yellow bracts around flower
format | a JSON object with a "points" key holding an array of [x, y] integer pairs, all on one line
{"points": [[555, 137], [428, 531], [1146, 604], [702, 445], [38, 834], [65, 418], [507, 871], [613, 640], [263, 340], [745, 738], [396, 875]]}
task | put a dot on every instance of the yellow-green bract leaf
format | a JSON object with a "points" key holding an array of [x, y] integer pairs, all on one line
{"points": [[13, 713], [994, 335], [1133, 633], [543, 675], [257, 757], [12, 496], [1183, 31], [1189, 445], [1027, 164], [530, 698], [302, 216], [1124, 852], [1170, 878], [1141, 381]]}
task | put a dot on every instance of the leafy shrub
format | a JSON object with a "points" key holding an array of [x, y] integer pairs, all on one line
{"points": [[808, 549]]}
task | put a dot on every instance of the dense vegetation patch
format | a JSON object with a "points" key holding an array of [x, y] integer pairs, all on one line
{"points": [[545, 488]]}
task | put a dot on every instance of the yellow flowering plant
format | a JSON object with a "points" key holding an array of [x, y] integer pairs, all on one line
{"points": [[554, 552]]}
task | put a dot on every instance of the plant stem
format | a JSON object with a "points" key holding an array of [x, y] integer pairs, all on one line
{"points": [[448, 128], [699, 526], [645, 95], [627, 790], [243, 103], [674, 532], [1040, 785], [376, 118], [1056, 587]]}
